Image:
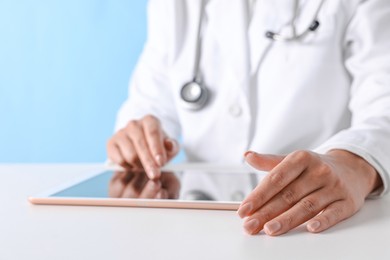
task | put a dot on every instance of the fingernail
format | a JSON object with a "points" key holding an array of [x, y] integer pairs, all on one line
{"points": [[154, 185], [245, 209], [154, 172], [159, 195], [313, 226], [159, 160], [172, 145], [272, 228], [248, 153], [251, 225]]}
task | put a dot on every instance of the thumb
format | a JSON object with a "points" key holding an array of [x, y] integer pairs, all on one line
{"points": [[263, 162], [172, 147]]}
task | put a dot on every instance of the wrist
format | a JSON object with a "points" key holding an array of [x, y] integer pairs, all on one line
{"points": [[357, 164]]}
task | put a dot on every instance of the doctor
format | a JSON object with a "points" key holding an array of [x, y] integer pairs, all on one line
{"points": [[301, 87]]}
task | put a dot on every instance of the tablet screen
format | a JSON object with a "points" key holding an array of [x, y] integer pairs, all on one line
{"points": [[178, 185]]}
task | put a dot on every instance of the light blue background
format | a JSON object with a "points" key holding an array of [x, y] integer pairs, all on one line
{"points": [[64, 70]]}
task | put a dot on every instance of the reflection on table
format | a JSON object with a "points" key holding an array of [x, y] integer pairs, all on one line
{"points": [[184, 185]]}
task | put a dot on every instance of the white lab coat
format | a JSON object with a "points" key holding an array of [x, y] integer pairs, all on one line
{"points": [[328, 90]]}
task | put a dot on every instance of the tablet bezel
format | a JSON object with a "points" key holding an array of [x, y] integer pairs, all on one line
{"points": [[45, 198]]}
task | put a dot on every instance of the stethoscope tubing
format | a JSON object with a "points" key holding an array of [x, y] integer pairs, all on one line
{"points": [[196, 103]]}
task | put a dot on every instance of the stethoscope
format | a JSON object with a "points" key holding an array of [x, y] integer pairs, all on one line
{"points": [[194, 94]]}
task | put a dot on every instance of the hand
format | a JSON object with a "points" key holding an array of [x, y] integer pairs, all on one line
{"points": [[142, 144], [138, 185], [306, 186]]}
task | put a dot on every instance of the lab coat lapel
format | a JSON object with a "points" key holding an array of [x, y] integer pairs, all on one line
{"points": [[229, 23]]}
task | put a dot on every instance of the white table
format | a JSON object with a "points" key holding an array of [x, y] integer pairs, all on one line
{"points": [[70, 232]]}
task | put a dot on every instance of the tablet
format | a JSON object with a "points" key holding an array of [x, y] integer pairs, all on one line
{"points": [[195, 186]]}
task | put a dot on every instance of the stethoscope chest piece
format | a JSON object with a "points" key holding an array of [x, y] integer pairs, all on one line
{"points": [[194, 95]]}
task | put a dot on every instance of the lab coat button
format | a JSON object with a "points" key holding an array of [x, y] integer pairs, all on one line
{"points": [[235, 110], [237, 196]]}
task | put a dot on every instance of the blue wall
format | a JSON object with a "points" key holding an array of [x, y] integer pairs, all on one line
{"points": [[64, 70]]}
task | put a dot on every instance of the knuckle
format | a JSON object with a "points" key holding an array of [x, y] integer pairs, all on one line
{"points": [[259, 196], [338, 185], [324, 170], [324, 173], [150, 119], [308, 205], [289, 197], [289, 219], [333, 216], [337, 213], [278, 179], [132, 124], [140, 143], [327, 220], [154, 132], [301, 155], [131, 158], [120, 135], [265, 217]]}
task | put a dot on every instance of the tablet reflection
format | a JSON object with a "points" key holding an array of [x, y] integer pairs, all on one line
{"points": [[183, 185], [138, 185]]}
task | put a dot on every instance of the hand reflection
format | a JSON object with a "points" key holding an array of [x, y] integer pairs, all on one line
{"points": [[138, 185]]}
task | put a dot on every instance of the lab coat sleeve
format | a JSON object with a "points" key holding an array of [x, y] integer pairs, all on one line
{"points": [[149, 88], [367, 59]]}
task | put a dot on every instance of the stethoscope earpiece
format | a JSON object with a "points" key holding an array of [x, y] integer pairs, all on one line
{"points": [[297, 36], [270, 35], [279, 37], [314, 25]]}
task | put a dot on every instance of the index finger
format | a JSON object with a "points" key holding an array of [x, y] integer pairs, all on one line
{"points": [[279, 177], [155, 138], [137, 136]]}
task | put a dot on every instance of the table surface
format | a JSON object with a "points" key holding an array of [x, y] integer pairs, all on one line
{"points": [[75, 232]]}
